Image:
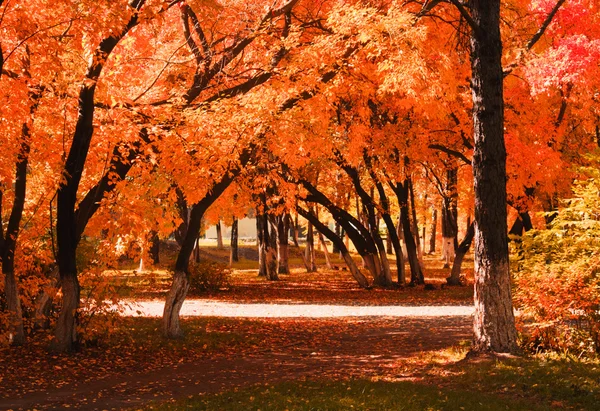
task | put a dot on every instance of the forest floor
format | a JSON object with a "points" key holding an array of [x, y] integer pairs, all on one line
{"points": [[129, 365]]}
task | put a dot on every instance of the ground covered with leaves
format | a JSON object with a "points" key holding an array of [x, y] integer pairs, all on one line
{"points": [[292, 363]]}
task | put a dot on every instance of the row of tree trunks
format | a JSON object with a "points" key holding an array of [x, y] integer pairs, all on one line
{"points": [[339, 243], [361, 236]]}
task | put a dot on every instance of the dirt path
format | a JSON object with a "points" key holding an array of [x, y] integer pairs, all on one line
{"points": [[208, 308], [364, 347]]}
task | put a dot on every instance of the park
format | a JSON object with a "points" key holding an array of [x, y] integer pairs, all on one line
{"points": [[299, 205]]}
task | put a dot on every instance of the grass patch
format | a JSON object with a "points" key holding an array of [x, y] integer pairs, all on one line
{"points": [[433, 381], [346, 395]]}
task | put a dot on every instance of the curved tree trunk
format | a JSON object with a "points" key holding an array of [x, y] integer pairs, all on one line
{"points": [[461, 251], [174, 302], [494, 322]]}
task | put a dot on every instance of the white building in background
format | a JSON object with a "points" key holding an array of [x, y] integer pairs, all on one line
{"points": [[246, 230]]}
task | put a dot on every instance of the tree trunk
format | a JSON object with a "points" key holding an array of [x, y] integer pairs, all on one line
{"points": [[461, 251], [13, 305], [325, 251], [433, 231], [234, 254], [395, 240], [416, 273], [296, 228], [8, 242], [283, 255], [311, 265], [260, 239], [494, 322], [154, 248], [415, 224], [174, 302], [219, 236], [335, 249], [65, 336], [45, 300], [197, 251]]}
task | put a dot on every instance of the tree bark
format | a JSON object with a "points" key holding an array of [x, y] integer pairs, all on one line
{"points": [[494, 322], [173, 303]]}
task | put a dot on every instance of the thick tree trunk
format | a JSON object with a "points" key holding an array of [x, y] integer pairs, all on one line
{"points": [[494, 322], [174, 302], [234, 254], [66, 331], [461, 251]]}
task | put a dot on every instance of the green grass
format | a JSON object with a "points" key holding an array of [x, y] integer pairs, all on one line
{"points": [[528, 383], [351, 395]]}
